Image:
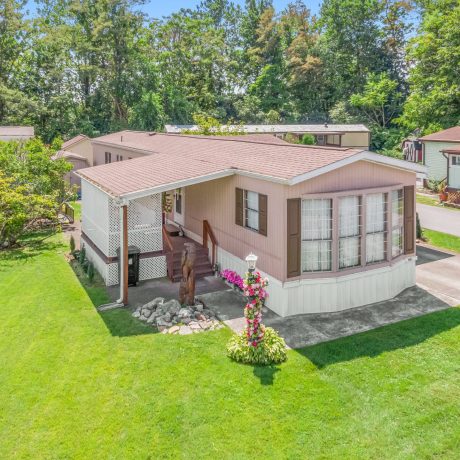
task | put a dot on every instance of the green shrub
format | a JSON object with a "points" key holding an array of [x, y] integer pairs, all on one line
{"points": [[90, 271], [272, 349], [72, 244], [308, 139], [419, 230], [291, 138], [82, 255]]}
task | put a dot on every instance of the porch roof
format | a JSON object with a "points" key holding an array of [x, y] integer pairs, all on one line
{"points": [[176, 160]]}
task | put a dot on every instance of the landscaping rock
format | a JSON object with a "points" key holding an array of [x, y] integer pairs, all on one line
{"points": [[172, 318], [173, 330]]}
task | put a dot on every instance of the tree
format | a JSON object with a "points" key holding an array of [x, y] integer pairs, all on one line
{"points": [[148, 114], [379, 101], [434, 100], [32, 188]]}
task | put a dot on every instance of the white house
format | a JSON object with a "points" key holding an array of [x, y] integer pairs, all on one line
{"points": [[441, 156]]}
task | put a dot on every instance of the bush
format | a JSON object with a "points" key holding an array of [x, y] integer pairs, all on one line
{"points": [[90, 271], [291, 138], [419, 230], [308, 139], [271, 350], [82, 256], [72, 244]]}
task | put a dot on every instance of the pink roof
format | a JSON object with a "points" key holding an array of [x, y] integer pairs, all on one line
{"points": [[448, 135], [74, 140], [172, 159]]}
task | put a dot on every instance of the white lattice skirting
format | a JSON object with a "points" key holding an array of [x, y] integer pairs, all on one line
{"points": [[149, 267], [101, 223]]}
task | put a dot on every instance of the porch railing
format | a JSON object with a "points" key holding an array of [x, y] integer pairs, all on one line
{"points": [[209, 234], [169, 253]]}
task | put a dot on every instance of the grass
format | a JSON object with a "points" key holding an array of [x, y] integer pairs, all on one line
{"points": [[432, 201], [424, 199], [76, 205], [442, 240], [79, 384]]}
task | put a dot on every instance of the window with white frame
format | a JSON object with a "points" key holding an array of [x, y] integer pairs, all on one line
{"points": [[251, 210], [316, 234], [349, 231], [455, 160], [376, 227], [397, 222]]}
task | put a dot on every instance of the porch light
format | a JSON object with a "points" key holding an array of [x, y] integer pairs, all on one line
{"points": [[251, 260]]}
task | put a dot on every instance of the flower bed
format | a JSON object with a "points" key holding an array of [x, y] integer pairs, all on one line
{"points": [[232, 278]]}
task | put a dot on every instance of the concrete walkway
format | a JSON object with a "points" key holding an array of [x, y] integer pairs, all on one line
{"points": [[440, 219], [302, 330]]}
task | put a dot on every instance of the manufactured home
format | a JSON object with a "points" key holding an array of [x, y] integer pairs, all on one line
{"points": [[357, 135], [333, 228]]}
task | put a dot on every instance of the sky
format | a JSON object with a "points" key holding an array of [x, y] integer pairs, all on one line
{"points": [[159, 8]]}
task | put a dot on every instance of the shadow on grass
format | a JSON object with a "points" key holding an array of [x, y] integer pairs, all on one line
{"points": [[29, 248], [266, 374], [119, 322], [387, 338]]}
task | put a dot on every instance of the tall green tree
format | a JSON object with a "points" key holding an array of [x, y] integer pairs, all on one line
{"points": [[434, 62]]}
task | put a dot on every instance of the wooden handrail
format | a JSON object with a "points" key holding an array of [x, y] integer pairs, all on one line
{"points": [[169, 254], [167, 239], [207, 232]]}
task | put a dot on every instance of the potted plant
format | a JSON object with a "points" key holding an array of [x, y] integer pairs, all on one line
{"points": [[442, 190]]}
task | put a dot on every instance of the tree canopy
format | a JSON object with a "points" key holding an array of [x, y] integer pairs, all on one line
{"points": [[92, 67]]}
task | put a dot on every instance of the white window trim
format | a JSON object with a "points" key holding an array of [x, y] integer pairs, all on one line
{"points": [[246, 208], [389, 259]]}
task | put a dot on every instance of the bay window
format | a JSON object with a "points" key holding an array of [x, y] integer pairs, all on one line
{"points": [[349, 231], [376, 226], [397, 225], [316, 235], [368, 228]]}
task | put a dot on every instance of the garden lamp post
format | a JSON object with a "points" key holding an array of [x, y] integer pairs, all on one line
{"points": [[251, 260]]}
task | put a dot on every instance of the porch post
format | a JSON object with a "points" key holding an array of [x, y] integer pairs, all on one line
{"points": [[124, 254]]}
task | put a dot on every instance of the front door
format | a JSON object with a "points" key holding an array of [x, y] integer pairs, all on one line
{"points": [[179, 206]]}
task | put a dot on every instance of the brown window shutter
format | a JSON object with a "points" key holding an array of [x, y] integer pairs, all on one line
{"points": [[263, 214], [409, 219], [293, 237], [239, 209]]}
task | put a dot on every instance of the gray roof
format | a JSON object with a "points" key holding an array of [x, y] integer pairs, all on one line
{"points": [[16, 132], [254, 129]]}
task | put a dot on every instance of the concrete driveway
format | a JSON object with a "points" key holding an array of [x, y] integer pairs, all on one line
{"points": [[438, 272], [440, 219]]}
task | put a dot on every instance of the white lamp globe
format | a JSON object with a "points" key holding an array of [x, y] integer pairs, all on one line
{"points": [[251, 260]]}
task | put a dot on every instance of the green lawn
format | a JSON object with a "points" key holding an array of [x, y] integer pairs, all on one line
{"points": [[433, 201], [77, 207], [442, 240], [78, 384], [424, 199]]}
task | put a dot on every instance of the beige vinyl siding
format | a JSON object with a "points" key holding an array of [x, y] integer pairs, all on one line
{"points": [[215, 202], [99, 153], [83, 148], [434, 159], [355, 140]]}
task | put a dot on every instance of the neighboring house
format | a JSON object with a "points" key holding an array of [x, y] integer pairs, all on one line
{"points": [[441, 152], [16, 133], [329, 135], [334, 228], [79, 152]]}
